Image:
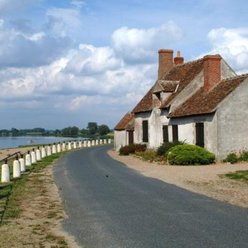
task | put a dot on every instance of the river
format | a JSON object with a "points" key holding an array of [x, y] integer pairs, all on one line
{"points": [[12, 142]]}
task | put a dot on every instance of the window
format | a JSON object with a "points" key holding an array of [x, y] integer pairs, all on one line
{"points": [[199, 131], [174, 133], [145, 131], [165, 134]]}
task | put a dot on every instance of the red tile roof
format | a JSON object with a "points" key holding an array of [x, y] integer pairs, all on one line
{"points": [[145, 103], [203, 102], [183, 74], [126, 122]]}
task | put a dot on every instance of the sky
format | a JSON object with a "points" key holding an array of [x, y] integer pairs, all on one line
{"points": [[70, 62]]}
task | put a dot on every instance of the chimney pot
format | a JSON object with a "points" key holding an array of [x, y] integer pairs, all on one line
{"points": [[212, 71], [178, 60]]}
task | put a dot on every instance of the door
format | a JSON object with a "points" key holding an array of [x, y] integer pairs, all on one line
{"points": [[130, 137]]}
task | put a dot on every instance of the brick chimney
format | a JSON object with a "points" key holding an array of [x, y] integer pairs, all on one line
{"points": [[178, 60], [165, 62], [212, 71]]}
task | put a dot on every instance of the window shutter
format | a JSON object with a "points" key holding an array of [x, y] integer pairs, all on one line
{"points": [[175, 133], [145, 131]]}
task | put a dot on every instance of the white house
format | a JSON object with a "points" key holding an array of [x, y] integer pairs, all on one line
{"points": [[188, 102]]}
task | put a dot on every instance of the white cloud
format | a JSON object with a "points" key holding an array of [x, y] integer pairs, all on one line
{"points": [[232, 44], [19, 49], [64, 21], [90, 60], [7, 6], [78, 3], [138, 45]]}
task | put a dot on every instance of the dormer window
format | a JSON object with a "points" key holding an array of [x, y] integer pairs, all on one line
{"points": [[158, 95]]}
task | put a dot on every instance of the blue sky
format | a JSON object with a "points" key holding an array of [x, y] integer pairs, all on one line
{"points": [[68, 62]]}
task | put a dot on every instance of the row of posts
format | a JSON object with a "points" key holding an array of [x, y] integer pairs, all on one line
{"points": [[37, 154]]}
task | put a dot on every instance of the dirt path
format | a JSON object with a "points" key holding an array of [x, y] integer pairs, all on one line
{"points": [[41, 212], [206, 180]]}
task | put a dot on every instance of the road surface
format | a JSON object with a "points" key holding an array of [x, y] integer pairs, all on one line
{"points": [[112, 206]]}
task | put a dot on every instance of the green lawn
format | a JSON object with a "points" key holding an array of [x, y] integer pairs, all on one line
{"points": [[238, 175]]}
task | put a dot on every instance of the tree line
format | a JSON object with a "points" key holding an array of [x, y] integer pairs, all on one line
{"points": [[92, 130]]}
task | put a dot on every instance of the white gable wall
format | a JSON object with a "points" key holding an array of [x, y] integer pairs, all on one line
{"points": [[233, 122], [120, 139]]}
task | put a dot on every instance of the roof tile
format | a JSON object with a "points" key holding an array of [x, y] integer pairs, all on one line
{"points": [[203, 102]]}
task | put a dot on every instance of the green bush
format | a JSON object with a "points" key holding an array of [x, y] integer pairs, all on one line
{"points": [[148, 155], [231, 158], [189, 155], [163, 149], [130, 149], [243, 156]]}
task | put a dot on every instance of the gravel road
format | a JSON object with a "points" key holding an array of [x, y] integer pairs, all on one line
{"points": [[111, 206]]}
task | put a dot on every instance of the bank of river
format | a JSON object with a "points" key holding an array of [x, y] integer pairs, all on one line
{"points": [[13, 142]]}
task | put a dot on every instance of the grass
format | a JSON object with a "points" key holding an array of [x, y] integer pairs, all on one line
{"points": [[19, 189], [238, 175]]}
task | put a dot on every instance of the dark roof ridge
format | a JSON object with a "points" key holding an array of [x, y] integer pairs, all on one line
{"points": [[189, 62]]}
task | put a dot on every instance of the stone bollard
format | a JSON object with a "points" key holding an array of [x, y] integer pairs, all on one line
{"points": [[104, 141], [97, 142], [58, 147], [109, 141], [43, 152], [74, 145], [33, 157], [38, 155], [16, 168], [100, 141], [80, 143], [5, 177], [54, 150], [89, 143], [22, 164], [93, 143], [63, 146], [28, 159], [85, 143], [49, 150], [69, 146]]}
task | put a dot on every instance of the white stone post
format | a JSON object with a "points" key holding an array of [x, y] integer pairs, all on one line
{"points": [[109, 141], [104, 141], [58, 147], [100, 141], [16, 168], [49, 150], [38, 155], [33, 157], [63, 146], [54, 150], [89, 143], [22, 164], [93, 142], [69, 145], [80, 144], [85, 143], [74, 145], [28, 159], [43, 152], [5, 177], [97, 142]]}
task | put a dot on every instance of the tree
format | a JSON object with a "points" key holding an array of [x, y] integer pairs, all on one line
{"points": [[14, 131], [92, 127], [70, 131], [103, 129]]}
